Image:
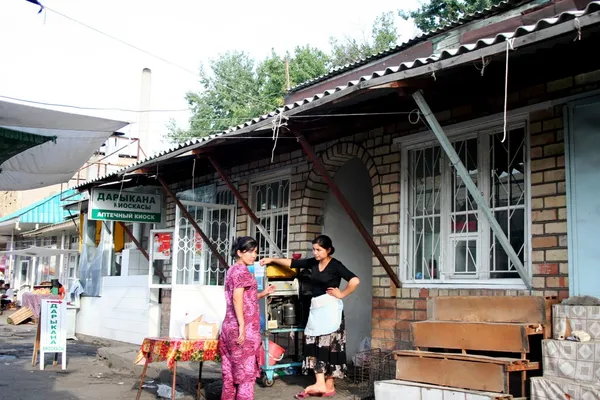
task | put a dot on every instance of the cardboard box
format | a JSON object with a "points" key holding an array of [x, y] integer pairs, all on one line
{"points": [[201, 330]]}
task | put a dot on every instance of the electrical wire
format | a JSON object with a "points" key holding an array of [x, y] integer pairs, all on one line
{"points": [[195, 74]]}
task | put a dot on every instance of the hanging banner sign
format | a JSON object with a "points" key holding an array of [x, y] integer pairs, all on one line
{"points": [[53, 329], [116, 205]]}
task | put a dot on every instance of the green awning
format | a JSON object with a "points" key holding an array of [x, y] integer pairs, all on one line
{"points": [[14, 142]]}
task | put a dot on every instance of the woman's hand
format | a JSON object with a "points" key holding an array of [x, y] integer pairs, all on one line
{"points": [[335, 292], [270, 290], [266, 292], [265, 261], [242, 335]]}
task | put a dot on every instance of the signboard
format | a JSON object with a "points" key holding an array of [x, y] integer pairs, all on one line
{"points": [[53, 329], [161, 245], [116, 205]]}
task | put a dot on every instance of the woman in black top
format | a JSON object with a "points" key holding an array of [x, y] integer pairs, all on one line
{"points": [[324, 354]]}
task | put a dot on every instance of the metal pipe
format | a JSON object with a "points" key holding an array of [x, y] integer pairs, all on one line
{"points": [[246, 207], [340, 197], [471, 187], [191, 220]]}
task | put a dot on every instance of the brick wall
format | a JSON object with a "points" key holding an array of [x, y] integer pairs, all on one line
{"points": [[548, 204]]}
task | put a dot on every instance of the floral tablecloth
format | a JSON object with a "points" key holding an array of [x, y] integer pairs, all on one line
{"points": [[175, 349], [33, 301]]}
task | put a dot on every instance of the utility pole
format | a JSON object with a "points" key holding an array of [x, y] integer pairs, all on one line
{"points": [[287, 73]]}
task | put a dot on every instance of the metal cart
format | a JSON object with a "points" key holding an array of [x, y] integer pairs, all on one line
{"points": [[288, 289]]}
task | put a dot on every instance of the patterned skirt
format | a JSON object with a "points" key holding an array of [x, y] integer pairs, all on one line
{"points": [[326, 354]]}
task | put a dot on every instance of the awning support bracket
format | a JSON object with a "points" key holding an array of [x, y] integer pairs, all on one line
{"points": [[246, 207], [471, 187], [193, 222], [347, 207]]}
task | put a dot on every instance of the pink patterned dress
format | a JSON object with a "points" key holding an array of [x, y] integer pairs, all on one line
{"points": [[240, 362]]}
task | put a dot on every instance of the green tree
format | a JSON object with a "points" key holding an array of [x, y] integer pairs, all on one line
{"points": [[231, 93], [383, 36], [437, 13], [235, 89]]}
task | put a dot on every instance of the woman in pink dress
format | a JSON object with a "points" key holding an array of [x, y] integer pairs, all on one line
{"points": [[240, 337]]}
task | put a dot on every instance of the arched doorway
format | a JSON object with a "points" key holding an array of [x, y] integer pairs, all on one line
{"points": [[354, 181]]}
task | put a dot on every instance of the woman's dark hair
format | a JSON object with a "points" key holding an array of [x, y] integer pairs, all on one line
{"points": [[325, 242], [243, 244]]}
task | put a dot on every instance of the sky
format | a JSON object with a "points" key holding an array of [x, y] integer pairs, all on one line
{"points": [[49, 58]]}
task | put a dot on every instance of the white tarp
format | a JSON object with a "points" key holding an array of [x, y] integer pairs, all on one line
{"points": [[77, 138], [34, 251]]}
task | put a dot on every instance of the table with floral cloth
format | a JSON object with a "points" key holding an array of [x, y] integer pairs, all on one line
{"points": [[172, 350]]}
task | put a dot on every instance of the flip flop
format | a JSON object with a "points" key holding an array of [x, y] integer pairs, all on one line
{"points": [[330, 394], [304, 395]]}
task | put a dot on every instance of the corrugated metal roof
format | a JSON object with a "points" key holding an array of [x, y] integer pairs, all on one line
{"points": [[300, 106], [488, 12], [46, 211]]}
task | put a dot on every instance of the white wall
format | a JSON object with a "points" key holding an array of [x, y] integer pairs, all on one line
{"points": [[121, 313], [351, 249]]}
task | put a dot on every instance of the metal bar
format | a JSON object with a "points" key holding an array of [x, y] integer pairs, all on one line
{"points": [[246, 207], [134, 240], [191, 220], [471, 187], [340, 197], [157, 271]]}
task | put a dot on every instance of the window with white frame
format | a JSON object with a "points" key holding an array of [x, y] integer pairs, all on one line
{"points": [[271, 204], [446, 238]]}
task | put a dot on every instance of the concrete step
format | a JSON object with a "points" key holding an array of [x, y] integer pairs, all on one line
{"points": [[397, 389]]}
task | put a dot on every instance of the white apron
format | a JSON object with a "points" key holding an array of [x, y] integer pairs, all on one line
{"points": [[325, 315]]}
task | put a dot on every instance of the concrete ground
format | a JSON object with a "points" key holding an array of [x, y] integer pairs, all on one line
{"points": [[104, 370]]}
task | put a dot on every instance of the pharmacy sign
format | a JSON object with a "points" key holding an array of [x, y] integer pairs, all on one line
{"points": [[116, 205]]}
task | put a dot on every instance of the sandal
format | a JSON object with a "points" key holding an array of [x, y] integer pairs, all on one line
{"points": [[329, 394], [302, 395]]}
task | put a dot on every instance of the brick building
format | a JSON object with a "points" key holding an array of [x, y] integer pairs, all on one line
{"points": [[533, 165]]}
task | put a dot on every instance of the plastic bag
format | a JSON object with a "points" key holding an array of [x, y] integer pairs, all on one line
{"points": [[361, 356]]}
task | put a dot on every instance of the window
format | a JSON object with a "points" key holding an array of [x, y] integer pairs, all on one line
{"points": [[270, 201], [446, 238], [193, 260]]}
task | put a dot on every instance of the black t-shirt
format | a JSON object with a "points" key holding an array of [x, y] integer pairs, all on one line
{"points": [[330, 277]]}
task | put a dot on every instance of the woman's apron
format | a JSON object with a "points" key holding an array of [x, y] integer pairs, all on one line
{"points": [[325, 316]]}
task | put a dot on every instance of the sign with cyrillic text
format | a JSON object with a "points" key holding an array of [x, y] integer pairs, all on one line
{"points": [[53, 329], [115, 205]]}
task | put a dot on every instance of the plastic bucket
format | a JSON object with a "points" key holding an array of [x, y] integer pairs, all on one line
{"points": [[276, 353]]}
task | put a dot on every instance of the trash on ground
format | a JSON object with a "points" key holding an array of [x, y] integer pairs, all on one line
{"points": [[165, 391]]}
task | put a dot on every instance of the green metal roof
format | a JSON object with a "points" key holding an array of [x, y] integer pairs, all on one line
{"points": [[47, 211]]}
